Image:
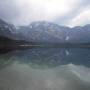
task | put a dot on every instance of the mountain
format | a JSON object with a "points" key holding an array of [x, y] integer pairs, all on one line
{"points": [[79, 34], [9, 38], [9, 31], [46, 32], [53, 33], [6, 29]]}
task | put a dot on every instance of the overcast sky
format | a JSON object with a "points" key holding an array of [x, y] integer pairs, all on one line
{"points": [[63, 12]]}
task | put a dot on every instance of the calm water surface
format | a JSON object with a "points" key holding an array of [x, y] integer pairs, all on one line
{"points": [[45, 69]]}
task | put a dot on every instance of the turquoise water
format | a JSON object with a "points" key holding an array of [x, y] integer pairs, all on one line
{"points": [[45, 69]]}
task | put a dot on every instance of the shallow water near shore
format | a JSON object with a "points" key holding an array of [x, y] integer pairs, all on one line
{"points": [[45, 69]]}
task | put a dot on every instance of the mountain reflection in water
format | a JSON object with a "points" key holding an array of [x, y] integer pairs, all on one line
{"points": [[45, 69]]}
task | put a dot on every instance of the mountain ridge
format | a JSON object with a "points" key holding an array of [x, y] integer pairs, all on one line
{"points": [[43, 31]]}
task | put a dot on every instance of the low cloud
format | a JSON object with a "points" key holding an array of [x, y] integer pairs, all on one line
{"points": [[23, 12], [81, 19]]}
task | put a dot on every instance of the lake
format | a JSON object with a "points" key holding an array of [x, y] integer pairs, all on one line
{"points": [[45, 69]]}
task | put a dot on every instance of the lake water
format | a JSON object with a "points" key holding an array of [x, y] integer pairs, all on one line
{"points": [[45, 69]]}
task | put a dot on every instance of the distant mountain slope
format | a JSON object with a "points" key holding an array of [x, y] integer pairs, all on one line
{"points": [[46, 32], [6, 29], [9, 38], [49, 32]]}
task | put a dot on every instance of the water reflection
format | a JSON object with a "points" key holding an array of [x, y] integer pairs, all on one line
{"points": [[48, 57], [45, 69]]}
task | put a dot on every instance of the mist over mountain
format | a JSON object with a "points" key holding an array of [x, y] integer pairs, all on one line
{"points": [[42, 31]]}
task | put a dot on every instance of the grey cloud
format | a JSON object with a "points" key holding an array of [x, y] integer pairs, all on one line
{"points": [[11, 12], [64, 20], [85, 2], [8, 10]]}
